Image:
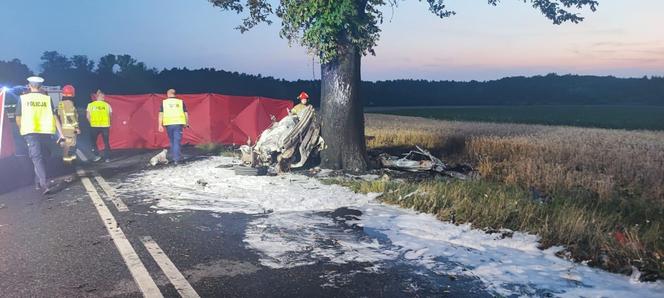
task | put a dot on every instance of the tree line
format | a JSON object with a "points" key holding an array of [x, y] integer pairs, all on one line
{"points": [[123, 74]]}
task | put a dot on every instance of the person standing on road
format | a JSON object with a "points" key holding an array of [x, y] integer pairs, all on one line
{"points": [[68, 117], [99, 114], [304, 103], [174, 116], [37, 123]]}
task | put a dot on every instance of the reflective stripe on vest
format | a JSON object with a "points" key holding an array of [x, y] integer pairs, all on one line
{"points": [[37, 114], [173, 112], [100, 114], [67, 114]]}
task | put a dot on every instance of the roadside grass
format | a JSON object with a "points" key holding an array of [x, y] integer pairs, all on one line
{"points": [[617, 117], [598, 192]]}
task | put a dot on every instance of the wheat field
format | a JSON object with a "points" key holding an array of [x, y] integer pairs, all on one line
{"points": [[607, 162], [606, 186]]}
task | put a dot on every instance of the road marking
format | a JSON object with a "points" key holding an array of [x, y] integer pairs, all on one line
{"points": [[111, 194], [141, 276], [177, 279], [81, 155]]}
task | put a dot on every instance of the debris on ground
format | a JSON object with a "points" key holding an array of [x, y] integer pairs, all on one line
{"points": [[540, 196], [421, 160], [242, 170], [160, 158], [287, 144]]}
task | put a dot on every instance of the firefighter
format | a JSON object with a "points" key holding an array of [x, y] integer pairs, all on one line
{"points": [[304, 102], [37, 123], [173, 115], [68, 117], [99, 114]]}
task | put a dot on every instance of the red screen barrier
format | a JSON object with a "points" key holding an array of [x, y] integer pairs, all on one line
{"points": [[213, 118]]}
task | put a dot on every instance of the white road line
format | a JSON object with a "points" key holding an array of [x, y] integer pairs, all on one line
{"points": [[81, 155], [145, 283], [111, 194], [177, 279]]}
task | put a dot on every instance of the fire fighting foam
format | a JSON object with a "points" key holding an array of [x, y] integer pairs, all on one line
{"points": [[293, 226]]}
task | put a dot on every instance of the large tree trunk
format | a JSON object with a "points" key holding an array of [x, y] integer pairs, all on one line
{"points": [[342, 114]]}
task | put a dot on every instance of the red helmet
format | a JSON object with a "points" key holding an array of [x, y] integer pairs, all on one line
{"points": [[303, 95], [68, 91]]}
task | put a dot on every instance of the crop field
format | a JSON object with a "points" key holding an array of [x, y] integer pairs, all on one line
{"points": [[598, 192], [619, 117]]}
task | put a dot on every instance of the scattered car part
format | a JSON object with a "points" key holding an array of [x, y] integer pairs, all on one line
{"points": [[419, 160]]}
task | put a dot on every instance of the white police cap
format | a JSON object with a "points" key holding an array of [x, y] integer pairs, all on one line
{"points": [[35, 80]]}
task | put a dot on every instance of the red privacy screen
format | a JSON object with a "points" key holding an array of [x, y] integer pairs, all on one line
{"points": [[213, 118]]}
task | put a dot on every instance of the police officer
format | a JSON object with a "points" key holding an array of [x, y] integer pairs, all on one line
{"points": [[99, 114], [69, 119], [37, 123], [173, 115]]}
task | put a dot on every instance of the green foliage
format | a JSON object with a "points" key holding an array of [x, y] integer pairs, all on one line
{"points": [[551, 90], [82, 63], [106, 64], [327, 27], [13, 72], [54, 61]]}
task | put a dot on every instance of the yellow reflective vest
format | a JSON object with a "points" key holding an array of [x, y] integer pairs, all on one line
{"points": [[100, 114], [299, 108], [173, 112], [68, 115], [37, 114]]}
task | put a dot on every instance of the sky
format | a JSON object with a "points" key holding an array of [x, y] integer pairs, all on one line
{"points": [[482, 42]]}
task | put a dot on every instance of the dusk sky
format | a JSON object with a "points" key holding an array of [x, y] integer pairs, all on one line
{"points": [[623, 38]]}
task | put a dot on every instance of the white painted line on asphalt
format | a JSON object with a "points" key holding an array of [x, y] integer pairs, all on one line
{"points": [[138, 271], [81, 155], [111, 194], [177, 279]]}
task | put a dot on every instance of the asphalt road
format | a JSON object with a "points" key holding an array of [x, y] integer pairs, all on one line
{"points": [[60, 246]]}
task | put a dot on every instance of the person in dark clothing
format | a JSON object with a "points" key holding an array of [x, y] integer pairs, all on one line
{"points": [[37, 121]]}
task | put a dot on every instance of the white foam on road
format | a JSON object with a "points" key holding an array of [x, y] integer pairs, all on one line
{"points": [[508, 266], [177, 188], [292, 239], [297, 234]]}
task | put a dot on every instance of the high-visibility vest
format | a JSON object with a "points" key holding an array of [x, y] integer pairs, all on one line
{"points": [[37, 114], [68, 115], [100, 113], [173, 112], [299, 108]]}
